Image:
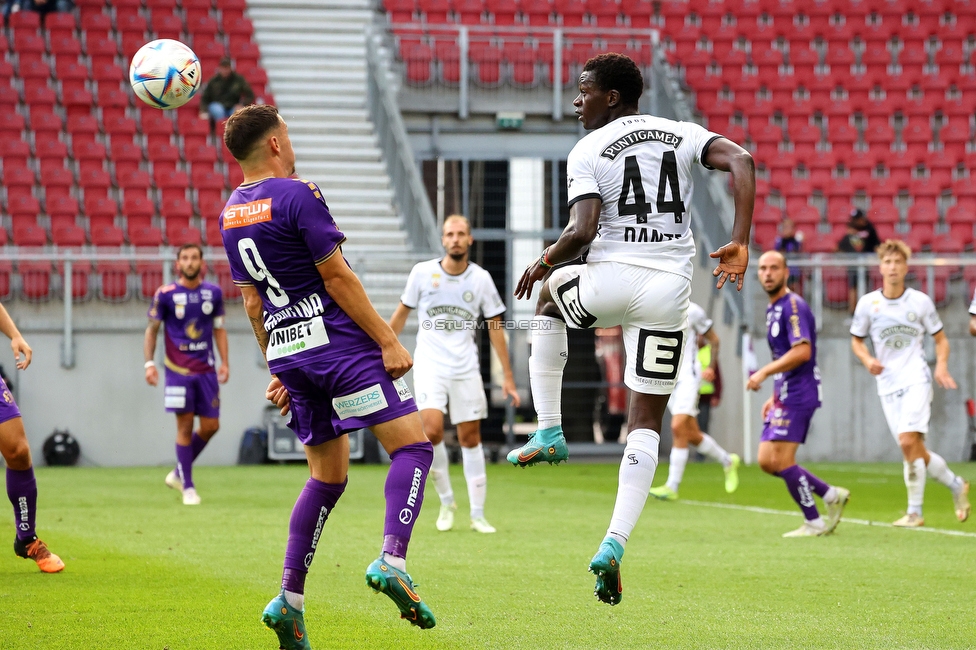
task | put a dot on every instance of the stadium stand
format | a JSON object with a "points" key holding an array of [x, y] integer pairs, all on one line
{"points": [[82, 161], [868, 103]]}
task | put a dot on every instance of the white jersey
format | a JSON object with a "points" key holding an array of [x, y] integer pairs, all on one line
{"points": [[640, 166], [897, 328], [448, 307], [698, 323]]}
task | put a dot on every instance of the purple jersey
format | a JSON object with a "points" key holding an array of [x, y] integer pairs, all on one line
{"points": [[275, 232], [789, 321], [188, 321]]}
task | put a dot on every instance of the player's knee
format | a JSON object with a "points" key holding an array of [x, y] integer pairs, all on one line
{"points": [[17, 455], [435, 435]]}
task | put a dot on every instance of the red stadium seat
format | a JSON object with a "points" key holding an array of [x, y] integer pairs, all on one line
{"points": [[150, 278], [145, 237], [35, 278], [113, 280], [68, 235], [223, 279], [106, 235], [6, 272], [28, 233]]}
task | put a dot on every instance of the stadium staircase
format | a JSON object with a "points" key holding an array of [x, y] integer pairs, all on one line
{"points": [[315, 54]]}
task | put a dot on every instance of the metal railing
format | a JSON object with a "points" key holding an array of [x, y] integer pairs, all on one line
{"points": [[490, 69], [410, 195]]}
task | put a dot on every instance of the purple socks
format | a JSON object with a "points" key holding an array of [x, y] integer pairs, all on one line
{"points": [[22, 492], [198, 444], [184, 464], [405, 494], [802, 486], [308, 517]]}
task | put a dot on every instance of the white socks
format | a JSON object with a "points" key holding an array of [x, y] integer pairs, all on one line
{"points": [[474, 473], [546, 363], [713, 450], [915, 482], [439, 472], [395, 562], [938, 470], [295, 600], [676, 467], [636, 474]]}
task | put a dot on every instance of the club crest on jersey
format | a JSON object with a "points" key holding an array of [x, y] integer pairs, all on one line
{"points": [[467, 296], [435, 280], [640, 137], [912, 316], [180, 311]]}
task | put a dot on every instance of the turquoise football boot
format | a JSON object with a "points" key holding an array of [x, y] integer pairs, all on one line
{"points": [[287, 622], [606, 565], [544, 446], [398, 585]]}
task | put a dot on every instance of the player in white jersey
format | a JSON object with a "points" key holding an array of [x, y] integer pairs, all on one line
{"points": [[684, 410], [630, 197], [897, 318], [450, 295]]}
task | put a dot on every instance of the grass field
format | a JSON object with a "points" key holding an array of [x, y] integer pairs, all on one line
{"points": [[144, 571]]}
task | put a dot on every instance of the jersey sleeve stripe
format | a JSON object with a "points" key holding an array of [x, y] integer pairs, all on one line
{"points": [[325, 258], [705, 150], [591, 195], [242, 283]]}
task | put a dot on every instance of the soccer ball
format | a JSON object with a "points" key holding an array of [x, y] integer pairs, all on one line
{"points": [[165, 73]]}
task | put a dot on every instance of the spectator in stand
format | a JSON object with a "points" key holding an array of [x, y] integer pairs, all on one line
{"points": [[40, 6], [710, 392], [789, 241], [861, 237], [225, 93]]}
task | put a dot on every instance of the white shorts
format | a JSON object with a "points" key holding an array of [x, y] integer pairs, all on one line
{"points": [[650, 305], [684, 399], [465, 396], [908, 409]]}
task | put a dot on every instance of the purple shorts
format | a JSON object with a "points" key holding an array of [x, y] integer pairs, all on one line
{"points": [[197, 394], [8, 407], [787, 424], [331, 397]]}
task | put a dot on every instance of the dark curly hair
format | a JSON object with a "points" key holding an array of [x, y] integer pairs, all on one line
{"points": [[613, 71]]}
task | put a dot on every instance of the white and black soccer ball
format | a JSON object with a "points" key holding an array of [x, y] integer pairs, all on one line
{"points": [[165, 73]]}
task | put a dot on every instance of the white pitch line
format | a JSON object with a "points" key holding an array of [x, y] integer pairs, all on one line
{"points": [[848, 520]]}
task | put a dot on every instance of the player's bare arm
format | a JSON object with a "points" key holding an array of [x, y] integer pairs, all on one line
{"points": [[797, 356], [497, 337], [709, 373], [220, 340], [345, 288], [942, 376], [254, 309], [149, 351], [17, 342], [972, 325], [860, 349], [584, 217], [733, 258], [399, 318]]}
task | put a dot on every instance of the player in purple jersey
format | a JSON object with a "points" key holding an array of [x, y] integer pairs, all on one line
{"points": [[792, 336], [21, 484], [193, 313], [335, 363]]}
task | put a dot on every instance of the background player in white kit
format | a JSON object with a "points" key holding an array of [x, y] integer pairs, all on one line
{"points": [[897, 318], [684, 410], [450, 295], [630, 189]]}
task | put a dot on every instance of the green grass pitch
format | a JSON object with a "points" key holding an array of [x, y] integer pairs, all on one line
{"points": [[144, 571]]}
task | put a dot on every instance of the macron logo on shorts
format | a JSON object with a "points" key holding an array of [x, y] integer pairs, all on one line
{"points": [[246, 214], [368, 400]]}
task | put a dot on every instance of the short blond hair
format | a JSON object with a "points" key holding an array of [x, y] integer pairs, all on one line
{"points": [[457, 217], [894, 246]]}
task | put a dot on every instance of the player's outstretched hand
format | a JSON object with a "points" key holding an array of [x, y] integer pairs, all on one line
{"points": [[767, 407], [755, 380], [875, 367], [733, 261], [278, 395], [223, 373], [533, 273], [944, 379], [19, 346], [509, 390], [396, 359]]}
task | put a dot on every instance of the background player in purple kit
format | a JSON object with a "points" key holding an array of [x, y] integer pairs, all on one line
{"points": [[193, 311], [792, 336], [335, 362], [21, 484]]}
